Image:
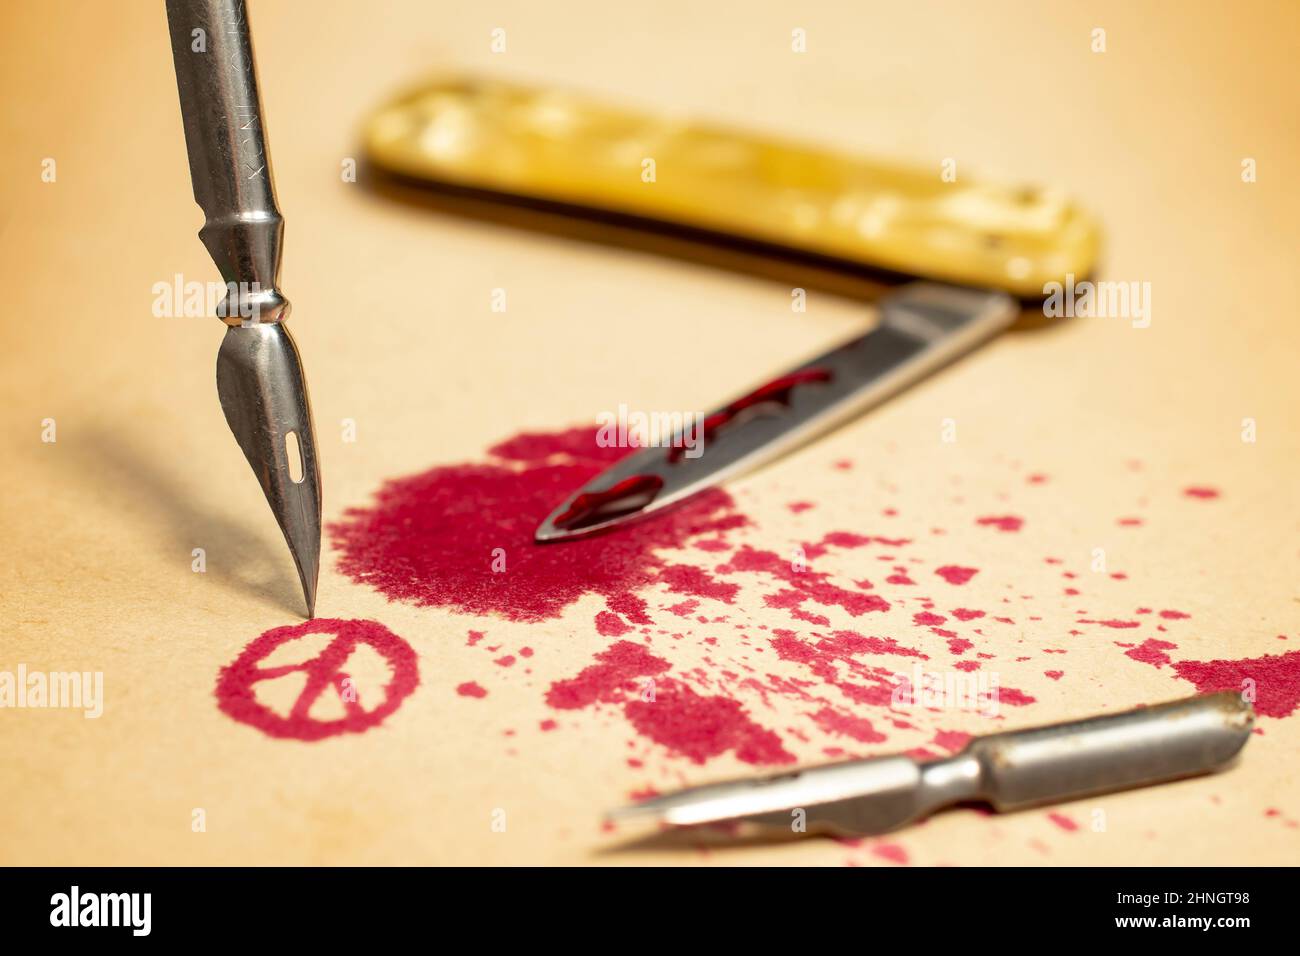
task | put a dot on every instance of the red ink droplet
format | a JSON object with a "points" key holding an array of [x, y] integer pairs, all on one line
{"points": [[956, 575], [1002, 522]]}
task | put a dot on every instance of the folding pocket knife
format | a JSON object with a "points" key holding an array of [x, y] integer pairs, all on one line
{"points": [[979, 248]]}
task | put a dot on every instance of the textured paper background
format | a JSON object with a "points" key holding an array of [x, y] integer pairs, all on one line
{"points": [[391, 310]]}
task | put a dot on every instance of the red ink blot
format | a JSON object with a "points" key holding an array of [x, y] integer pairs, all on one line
{"points": [[891, 852], [610, 625], [805, 585], [956, 575], [1276, 679], [235, 684], [846, 725], [429, 539], [966, 614], [951, 740], [1151, 651], [699, 727], [667, 711], [1003, 522], [1064, 822], [1174, 615], [1201, 492], [608, 680], [470, 689]]}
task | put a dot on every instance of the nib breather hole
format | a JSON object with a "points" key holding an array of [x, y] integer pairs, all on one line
{"points": [[293, 450]]}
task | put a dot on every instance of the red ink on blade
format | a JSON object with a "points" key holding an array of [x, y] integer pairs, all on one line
{"points": [[622, 498], [778, 391], [236, 684]]}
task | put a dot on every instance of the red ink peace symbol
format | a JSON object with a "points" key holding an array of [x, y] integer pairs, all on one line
{"points": [[235, 684]]}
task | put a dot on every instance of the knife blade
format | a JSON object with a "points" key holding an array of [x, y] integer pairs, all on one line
{"points": [[922, 327]]}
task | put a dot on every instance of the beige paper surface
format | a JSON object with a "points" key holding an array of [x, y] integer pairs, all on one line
{"points": [[392, 313]]}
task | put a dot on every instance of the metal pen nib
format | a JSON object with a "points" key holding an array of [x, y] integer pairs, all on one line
{"points": [[259, 373], [1010, 771], [264, 395]]}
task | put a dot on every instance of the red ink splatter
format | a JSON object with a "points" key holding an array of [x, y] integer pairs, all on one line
{"points": [[951, 740], [429, 539], [1151, 651], [1174, 615], [1016, 698], [699, 727], [611, 625], [1002, 522], [1276, 679], [1200, 491], [235, 684], [667, 711], [1064, 822], [891, 852], [804, 584], [471, 689], [954, 574], [846, 725], [696, 582]]}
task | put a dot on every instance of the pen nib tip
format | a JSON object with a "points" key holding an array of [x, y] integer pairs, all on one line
{"points": [[263, 393]]}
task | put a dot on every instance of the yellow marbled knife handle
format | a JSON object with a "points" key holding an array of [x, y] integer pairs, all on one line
{"points": [[557, 147]]}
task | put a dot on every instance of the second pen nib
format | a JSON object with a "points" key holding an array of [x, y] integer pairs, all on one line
{"points": [[264, 395]]}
